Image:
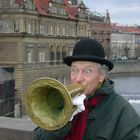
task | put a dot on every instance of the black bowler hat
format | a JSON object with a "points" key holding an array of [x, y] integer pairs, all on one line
{"points": [[88, 50]]}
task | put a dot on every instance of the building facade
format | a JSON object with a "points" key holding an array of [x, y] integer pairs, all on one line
{"points": [[35, 35], [100, 27], [125, 42]]}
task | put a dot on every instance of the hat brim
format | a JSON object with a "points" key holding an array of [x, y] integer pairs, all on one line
{"points": [[69, 59]]}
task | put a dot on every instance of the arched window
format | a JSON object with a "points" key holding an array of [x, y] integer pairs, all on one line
{"points": [[51, 55], [63, 52], [58, 55]]}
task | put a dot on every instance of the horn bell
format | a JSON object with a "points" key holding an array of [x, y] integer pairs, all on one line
{"points": [[49, 103]]}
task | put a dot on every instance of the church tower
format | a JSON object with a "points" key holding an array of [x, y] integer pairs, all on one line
{"points": [[107, 17]]}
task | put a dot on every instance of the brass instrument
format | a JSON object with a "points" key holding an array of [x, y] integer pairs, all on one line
{"points": [[49, 103]]}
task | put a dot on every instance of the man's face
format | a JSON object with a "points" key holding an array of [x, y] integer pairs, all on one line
{"points": [[86, 73]]}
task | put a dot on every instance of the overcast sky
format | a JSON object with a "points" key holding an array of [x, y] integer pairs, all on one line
{"points": [[124, 12]]}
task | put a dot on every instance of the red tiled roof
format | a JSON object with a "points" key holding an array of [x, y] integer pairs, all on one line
{"points": [[42, 6], [70, 10], [130, 29]]}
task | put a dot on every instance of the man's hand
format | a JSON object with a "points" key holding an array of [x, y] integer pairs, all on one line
{"points": [[78, 101]]}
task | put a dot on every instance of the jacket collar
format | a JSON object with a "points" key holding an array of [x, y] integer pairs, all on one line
{"points": [[106, 89]]}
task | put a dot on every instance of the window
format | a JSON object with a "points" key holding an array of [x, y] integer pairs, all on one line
{"points": [[57, 31], [29, 29], [41, 29], [51, 55], [63, 52], [41, 56], [58, 56], [29, 57], [63, 31], [51, 30]]}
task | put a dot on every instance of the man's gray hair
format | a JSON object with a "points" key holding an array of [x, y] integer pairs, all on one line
{"points": [[103, 69]]}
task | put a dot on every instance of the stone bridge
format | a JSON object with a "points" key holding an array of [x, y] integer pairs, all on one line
{"points": [[16, 129], [127, 66]]}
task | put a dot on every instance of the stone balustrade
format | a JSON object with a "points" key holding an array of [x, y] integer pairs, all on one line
{"points": [[16, 129]]}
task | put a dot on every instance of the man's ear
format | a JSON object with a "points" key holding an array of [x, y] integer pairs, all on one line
{"points": [[102, 78]]}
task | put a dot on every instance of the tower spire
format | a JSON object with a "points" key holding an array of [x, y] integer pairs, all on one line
{"points": [[107, 17]]}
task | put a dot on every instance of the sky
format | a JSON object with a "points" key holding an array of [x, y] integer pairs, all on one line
{"points": [[123, 12]]}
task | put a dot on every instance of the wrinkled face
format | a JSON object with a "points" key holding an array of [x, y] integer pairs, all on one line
{"points": [[88, 74]]}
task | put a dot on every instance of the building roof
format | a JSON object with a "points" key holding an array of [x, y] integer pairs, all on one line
{"points": [[128, 29], [43, 8]]}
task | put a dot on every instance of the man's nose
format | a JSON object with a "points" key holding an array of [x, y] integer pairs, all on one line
{"points": [[79, 76]]}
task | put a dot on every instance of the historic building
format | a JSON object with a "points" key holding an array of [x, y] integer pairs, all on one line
{"points": [[100, 27], [36, 34], [125, 42]]}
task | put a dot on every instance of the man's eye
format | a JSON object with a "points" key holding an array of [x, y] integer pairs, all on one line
{"points": [[88, 71], [74, 70]]}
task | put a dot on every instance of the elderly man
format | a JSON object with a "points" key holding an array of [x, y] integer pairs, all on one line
{"points": [[101, 113]]}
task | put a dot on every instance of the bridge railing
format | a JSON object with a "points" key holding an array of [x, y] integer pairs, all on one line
{"points": [[16, 129]]}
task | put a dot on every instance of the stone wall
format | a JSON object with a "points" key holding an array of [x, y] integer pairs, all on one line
{"points": [[16, 129], [132, 66], [7, 93]]}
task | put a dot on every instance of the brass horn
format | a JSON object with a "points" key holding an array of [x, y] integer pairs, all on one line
{"points": [[49, 103]]}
